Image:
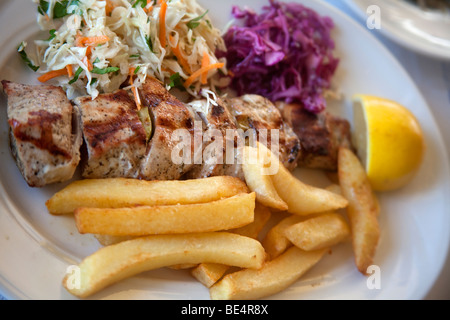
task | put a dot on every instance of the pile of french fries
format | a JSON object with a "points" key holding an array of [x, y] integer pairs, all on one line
{"points": [[220, 228]]}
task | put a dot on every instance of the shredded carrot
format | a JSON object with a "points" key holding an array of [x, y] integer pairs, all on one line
{"points": [[199, 72], [53, 74], [162, 23], [177, 52], [88, 63], [171, 41], [205, 63], [109, 7], [168, 70], [137, 99], [231, 73], [78, 38], [148, 10], [90, 41], [88, 51], [69, 70]]}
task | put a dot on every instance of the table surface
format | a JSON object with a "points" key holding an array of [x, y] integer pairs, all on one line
{"points": [[432, 77]]}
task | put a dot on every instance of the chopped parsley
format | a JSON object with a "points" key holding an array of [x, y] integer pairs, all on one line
{"points": [[59, 10], [76, 75], [142, 3], [149, 43], [52, 35], [24, 56], [194, 23], [105, 70], [176, 82]]}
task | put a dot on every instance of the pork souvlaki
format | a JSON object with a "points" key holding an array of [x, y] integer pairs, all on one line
{"points": [[114, 136], [45, 137], [46, 131]]}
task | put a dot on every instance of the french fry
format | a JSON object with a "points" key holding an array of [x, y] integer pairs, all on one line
{"points": [[120, 192], [261, 217], [332, 176], [252, 230], [116, 262], [362, 210], [275, 241], [107, 240], [273, 277], [183, 266], [319, 232], [335, 188], [225, 214], [302, 199], [210, 273], [259, 182]]}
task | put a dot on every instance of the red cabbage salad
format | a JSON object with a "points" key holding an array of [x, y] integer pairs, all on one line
{"points": [[285, 53]]}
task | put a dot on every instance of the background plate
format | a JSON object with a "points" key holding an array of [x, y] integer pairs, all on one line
{"points": [[423, 31]]}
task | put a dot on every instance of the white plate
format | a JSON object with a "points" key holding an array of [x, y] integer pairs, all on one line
{"points": [[36, 248], [423, 31]]}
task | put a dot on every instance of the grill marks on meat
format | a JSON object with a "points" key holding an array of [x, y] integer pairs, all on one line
{"points": [[219, 130], [44, 135], [42, 121], [320, 136], [258, 113], [114, 136], [169, 114]]}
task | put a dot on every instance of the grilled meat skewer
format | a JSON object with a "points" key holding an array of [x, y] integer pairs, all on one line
{"points": [[320, 136], [114, 136], [45, 137], [217, 120], [258, 113], [46, 141], [169, 114]]}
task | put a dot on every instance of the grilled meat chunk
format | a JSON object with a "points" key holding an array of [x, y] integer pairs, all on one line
{"points": [[320, 136], [114, 136], [44, 133], [258, 113], [169, 115], [221, 152]]}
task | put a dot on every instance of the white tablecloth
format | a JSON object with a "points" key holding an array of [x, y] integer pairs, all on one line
{"points": [[433, 79]]}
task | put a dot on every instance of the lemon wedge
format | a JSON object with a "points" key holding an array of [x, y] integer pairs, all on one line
{"points": [[389, 141]]}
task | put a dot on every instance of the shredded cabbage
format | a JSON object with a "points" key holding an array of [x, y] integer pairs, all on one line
{"points": [[132, 30], [285, 54]]}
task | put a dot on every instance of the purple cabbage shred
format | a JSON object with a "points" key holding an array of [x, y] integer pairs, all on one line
{"points": [[285, 54]]}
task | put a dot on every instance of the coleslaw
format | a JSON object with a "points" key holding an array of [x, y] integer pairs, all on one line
{"points": [[100, 46]]}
